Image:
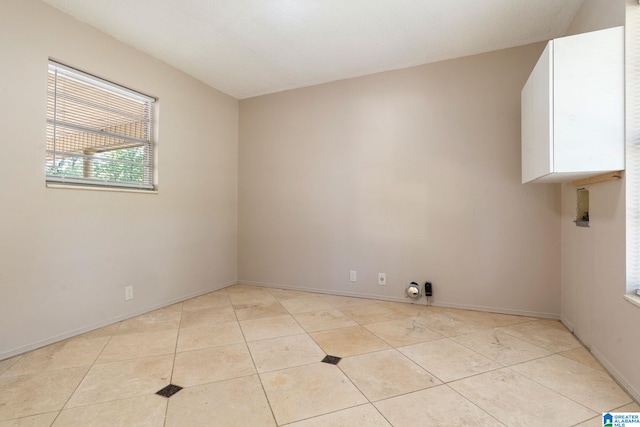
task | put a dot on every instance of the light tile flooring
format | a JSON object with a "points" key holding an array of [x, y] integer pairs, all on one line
{"points": [[250, 356]]}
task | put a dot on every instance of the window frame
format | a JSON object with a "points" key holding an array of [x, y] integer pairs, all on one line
{"points": [[99, 154]]}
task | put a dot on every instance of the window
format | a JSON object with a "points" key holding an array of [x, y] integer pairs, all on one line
{"points": [[98, 133], [632, 70]]}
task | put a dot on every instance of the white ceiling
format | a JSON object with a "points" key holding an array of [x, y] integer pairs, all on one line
{"points": [[247, 48]]}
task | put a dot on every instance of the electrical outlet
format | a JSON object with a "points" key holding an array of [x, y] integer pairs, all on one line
{"points": [[352, 276], [382, 278], [128, 293]]}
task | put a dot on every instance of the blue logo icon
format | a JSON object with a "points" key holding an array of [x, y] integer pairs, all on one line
{"points": [[607, 420]]}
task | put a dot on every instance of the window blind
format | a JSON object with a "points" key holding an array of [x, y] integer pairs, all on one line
{"points": [[98, 133], [632, 174]]}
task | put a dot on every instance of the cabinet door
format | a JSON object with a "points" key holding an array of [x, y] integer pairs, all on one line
{"points": [[589, 102], [537, 119]]}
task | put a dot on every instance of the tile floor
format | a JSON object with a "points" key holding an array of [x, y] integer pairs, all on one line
{"points": [[251, 356]]}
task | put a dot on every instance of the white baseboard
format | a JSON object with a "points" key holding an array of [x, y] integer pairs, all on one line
{"points": [[615, 374], [567, 323], [97, 325], [635, 394], [435, 303], [69, 334]]}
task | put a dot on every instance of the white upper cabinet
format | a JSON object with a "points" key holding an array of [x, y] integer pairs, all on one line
{"points": [[573, 109]]}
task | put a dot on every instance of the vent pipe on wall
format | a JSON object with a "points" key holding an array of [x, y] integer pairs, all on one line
{"points": [[413, 291]]}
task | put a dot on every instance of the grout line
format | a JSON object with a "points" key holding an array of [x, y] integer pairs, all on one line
{"points": [[335, 412], [381, 414], [255, 367], [84, 376], [18, 357], [173, 364], [354, 384], [278, 337], [556, 391], [474, 404]]}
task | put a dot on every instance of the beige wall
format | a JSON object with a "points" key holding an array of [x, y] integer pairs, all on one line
{"points": [[67, 255], [593, 259], [597, 15], [415, 173]]}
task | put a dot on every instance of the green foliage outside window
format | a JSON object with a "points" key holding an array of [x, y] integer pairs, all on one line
{"points": [[126, 165]]}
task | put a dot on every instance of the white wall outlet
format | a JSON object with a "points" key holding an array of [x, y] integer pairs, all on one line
{"points": [[352, 276], [128, 293], [382, 278]]}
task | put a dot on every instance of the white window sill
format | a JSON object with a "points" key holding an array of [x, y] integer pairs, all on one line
{"points": [[632, 298], [96, 188]]}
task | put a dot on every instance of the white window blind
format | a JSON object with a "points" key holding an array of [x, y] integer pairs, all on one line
{"points": [[98, 133], [632, 174]]}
